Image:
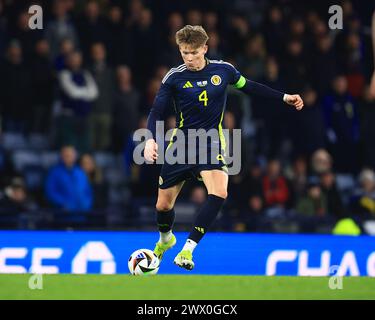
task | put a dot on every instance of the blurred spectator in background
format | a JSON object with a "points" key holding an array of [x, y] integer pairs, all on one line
{"points": [[342, 126], [297, 175], [67, 187], [66, 47], [275, 186], [372, 85], [214, 51], [79, 91], [363, 198], [60, 28], [91, 27], [26, 36], [274, 31], [120, 50], [237, 33], [321, 162], [14, 199], [100, 120], [126, 103], [329, 189], [145, 41], [274, 115], [312, 207], [323, 58], [15, 92], [308, 125], [3, 29], [367, 127], [96, 179], [253, 61], [295, 66], [198, 195], [43, 88]]}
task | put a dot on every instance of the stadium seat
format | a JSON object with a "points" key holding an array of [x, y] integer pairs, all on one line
{"points": [[34, 176], [49, 159], [38, 141], [13, 141], [105, 160], [23, 158], [345, 182], [113, 176]]}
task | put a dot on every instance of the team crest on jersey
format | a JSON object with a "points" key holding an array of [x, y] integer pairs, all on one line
{"points": [[202, 83], [215, 80], [160, 181]]}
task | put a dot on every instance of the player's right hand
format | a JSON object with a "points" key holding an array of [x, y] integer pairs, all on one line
{"points": [[151, 150]]}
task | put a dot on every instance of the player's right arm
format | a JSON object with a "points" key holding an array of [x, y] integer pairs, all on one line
{"points": [[254, 88], [156, 113]]}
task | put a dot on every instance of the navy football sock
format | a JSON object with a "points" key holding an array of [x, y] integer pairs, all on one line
{"points": [[206, 217], [165, 220]]}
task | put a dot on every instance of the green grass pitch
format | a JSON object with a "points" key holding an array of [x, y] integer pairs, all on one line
{"points": [[194, 287]]}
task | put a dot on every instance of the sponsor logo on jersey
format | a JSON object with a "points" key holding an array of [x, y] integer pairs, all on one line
{"points": [[202, 83], [215, 80]]}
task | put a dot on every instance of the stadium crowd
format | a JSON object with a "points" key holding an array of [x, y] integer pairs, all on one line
{"points": [[73, 93]]}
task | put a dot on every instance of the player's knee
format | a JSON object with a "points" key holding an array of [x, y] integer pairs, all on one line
{"points": [[164, 206], [221, 193]]}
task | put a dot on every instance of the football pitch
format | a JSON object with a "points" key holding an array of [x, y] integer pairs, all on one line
{"points": [[194, 287]]}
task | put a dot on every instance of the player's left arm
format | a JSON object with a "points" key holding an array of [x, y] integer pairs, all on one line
{"points": [[252, 87]]}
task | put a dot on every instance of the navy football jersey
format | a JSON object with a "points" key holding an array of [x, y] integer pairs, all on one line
{"points": [[199, 97]]}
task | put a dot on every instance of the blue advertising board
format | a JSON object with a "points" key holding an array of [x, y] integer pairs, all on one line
{"points": [[219, 253]]}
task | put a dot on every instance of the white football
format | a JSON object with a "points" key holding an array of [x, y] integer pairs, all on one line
{"points": [[143, 262]]}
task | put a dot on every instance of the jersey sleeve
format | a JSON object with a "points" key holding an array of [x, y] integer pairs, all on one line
{"points": [[159, 105], [234, 74]]}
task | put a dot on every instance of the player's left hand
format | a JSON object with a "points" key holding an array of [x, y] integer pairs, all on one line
{"points": [[294, 100]]}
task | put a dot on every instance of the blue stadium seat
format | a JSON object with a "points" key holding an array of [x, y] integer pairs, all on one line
{"points": [[23, 158], [49, 159], [38, 141], [105, 160], [13, 141], [34, 176]]}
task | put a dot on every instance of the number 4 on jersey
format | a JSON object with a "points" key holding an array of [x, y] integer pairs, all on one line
{"points": [[203, 97]]}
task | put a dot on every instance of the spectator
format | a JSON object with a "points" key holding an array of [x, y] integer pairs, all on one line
{"points": [[308, 129], [323, 59], [66, 47], [79, 91], [67, 186], [60, 28], [275, 187], [342, 126], [120, 49], [91, 27], [26, 36], [100, 120], [96, 179], [125, 108], [213, 43], [329, 189], [367, 120], [14, 199], [321, 162], [312, 208], [15, 78], [43, 87], [198, 195], [298, 177], [363, 198]]}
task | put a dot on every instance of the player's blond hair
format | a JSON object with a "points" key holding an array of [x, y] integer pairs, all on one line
{"points": [[194, 36]]}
